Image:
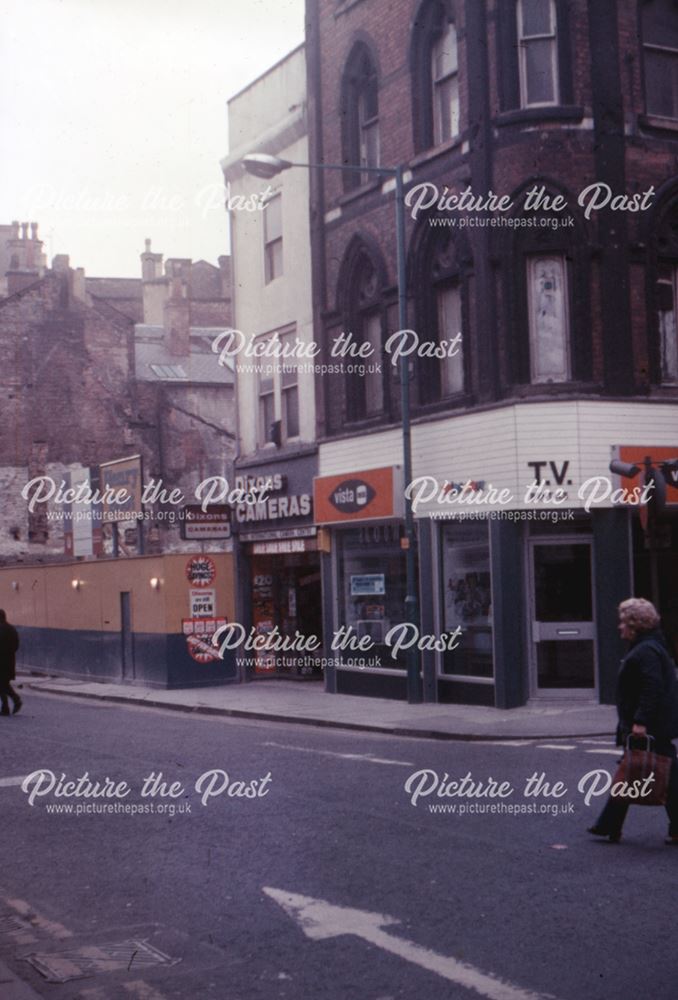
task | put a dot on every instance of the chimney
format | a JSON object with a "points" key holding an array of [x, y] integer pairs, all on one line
{"points": [[78, 286], [154, 287], [176, 313], [151, 264], [226, 277], [27, 261]]}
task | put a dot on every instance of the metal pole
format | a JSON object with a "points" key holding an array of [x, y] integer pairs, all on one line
{"points": [[414, 686]]}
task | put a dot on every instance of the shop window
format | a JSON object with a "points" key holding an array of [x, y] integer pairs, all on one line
{"points": [[467, 599], [445, 83], [548, 319], [360, 115], [538, 52], [660, 57], [435, 75], [667, 276], [372, 589], [289, 391], [273, 239]]}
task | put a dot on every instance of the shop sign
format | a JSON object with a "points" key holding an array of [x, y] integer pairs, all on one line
{"points": [[275, 534], [203, 603], [358, 496], [366, 584], [282, 547], [200, 571], [635, 454], [200, 525], [199, 632]]}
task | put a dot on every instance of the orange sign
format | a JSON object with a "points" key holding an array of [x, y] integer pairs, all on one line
{"points": [[636, 453], [375, 494]]}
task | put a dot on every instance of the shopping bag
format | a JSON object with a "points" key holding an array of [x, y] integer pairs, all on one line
{"points": [[635, 767]]}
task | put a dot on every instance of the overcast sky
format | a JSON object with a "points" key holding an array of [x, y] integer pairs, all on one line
{"points": [[114, 119]]}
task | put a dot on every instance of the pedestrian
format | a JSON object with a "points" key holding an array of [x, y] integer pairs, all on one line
{"points": [[9, 643], [647, 705]]}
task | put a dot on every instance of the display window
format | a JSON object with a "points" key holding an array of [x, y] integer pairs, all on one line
{"points": [[466, 599]]}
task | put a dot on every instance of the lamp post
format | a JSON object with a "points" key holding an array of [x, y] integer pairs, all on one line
{"points": [[266, 166]]}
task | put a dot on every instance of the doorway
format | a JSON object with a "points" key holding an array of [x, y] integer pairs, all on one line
{"points": [[562, 617], [126, 638]]}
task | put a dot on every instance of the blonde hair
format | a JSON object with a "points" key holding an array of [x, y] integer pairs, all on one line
{"points": [[639, 614]]}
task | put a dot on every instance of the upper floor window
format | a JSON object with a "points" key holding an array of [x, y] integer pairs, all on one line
{"points": [[667, 277], [538, 52], [445, 83], [360, 115], [289, 390], [549, 325], [266, 392], [278, 391], [273, 239], [363, 312], [434, 62], [449, 332], [440, 365], [660, 57]]}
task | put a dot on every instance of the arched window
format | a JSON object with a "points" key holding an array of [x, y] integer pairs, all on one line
{"points": [[435, 75], [359, 114], [440, 310], [660, 57], [361, 293]]}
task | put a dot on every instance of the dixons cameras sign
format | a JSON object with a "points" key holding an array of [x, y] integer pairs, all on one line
{"points": [[374, 494]]}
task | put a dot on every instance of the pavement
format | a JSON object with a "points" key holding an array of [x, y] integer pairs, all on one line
{"points": [[12, 988], [308, 704]]}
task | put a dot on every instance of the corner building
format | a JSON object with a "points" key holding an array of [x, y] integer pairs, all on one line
{"points": [[565, 299]]}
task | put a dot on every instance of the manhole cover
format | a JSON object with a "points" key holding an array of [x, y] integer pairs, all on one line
{"points": [[92, 960]]}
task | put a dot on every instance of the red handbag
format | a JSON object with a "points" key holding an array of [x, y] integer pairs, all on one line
{"points": [[630, 782]]}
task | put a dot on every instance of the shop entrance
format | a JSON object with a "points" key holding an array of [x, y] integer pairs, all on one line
{"points": [[286, 593], [562, 617]]}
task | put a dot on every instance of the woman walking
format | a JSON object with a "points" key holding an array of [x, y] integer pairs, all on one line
{"points": [[646, 706], [9, 643]]}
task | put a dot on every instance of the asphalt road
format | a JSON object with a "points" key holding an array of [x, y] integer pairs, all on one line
{"points": [[238, 898]]}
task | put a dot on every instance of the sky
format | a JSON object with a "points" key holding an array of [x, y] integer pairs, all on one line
{"points": [[114, 120]]}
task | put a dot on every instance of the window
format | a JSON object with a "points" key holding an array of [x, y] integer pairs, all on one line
{"points": [[667, 276], [660, 57], [548, 319], [360, 115], [467, 600], [273, 241], [373, 381], [266, 403], [445, 82], [449, 330], [289, 390], [538, 52]]}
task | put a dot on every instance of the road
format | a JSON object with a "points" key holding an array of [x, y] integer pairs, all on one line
{"points": [[328, 882]]}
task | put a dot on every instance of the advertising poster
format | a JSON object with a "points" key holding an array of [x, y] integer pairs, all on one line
{"points": [[339, 478]]}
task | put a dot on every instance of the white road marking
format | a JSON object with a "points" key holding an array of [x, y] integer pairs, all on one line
{"points": [[9, 782], [613, 753], [320, 920], [555, 746], [344, 756], [604, 743], [503, 743]]}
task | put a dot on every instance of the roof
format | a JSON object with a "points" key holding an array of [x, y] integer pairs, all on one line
{"points": [[155, 363]]}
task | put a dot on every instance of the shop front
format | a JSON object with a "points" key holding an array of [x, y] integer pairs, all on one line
{"points": [[279, 566], [364, 580]]}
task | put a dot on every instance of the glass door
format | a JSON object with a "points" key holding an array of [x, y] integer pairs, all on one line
{"points": [[563, 625]]}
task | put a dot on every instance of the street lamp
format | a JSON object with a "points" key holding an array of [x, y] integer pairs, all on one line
{"points": [[266, 166]]}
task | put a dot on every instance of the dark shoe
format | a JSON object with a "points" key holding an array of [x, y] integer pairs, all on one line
{"points": [[17, 706], [614, 838], [672, 840], [4, 710]]}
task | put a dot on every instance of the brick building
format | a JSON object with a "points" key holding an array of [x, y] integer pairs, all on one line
{"points": [[540, 139], [98, 369]]}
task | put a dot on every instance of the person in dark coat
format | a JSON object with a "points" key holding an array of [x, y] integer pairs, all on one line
{"points": [[647, 705], [9, 643]]}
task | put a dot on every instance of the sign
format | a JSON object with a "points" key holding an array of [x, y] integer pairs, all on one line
{"points": [[366, 584], [203, 603], [635, 454], [199, 632], [276, 534], [359, 496], [123, 474], [200, 571], [284, 546], [200, 525]]}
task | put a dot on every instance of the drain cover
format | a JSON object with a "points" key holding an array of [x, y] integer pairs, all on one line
{"points": [[92, 960]]}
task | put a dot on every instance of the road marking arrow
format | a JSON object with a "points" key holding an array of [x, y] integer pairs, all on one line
{"points": [[320, 920]]}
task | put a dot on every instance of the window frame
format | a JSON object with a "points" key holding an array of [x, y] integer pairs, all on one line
{"points": [[523, 41], [531, 262], [665, 378], [438, 85], [360, 97], [273, 246]]}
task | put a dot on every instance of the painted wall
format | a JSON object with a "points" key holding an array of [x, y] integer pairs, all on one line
{"points": [[77, 632]]}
